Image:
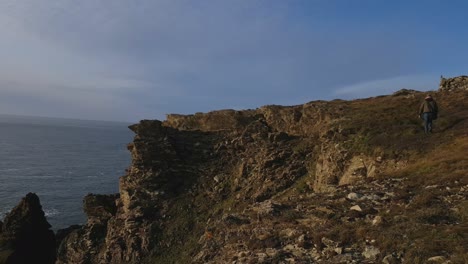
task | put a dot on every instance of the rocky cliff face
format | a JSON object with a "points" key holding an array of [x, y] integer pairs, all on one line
{"points": [[456, 83], [320, 182], [25, 235]]}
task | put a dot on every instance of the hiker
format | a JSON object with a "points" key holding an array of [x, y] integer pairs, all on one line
{"points": [[428, 112]]}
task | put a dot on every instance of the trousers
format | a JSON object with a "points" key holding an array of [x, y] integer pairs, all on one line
{"points": [[427, 117]]}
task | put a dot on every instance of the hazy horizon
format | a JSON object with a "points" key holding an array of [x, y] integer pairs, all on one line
{"points": [[28, 117], [32, 119]]}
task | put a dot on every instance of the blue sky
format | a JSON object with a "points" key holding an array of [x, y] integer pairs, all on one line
{"points": [[130, 60]]}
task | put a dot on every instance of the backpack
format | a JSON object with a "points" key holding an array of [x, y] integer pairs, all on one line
{"points": [[433, 110]]}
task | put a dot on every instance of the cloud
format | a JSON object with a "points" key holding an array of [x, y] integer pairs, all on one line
{"points": [[137, 53], [59, 78], [387, 86], [143, 59]]}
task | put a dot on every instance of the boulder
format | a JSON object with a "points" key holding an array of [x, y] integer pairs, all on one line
{"points": [[371, 252], [436, 259], [356, 208]]}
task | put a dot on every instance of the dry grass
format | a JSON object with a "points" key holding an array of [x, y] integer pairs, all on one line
{"points": [[419, 223], [392, 124], [445, 164]]}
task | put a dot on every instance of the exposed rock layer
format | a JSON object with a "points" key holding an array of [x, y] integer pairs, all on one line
{"points": [[269, 185]]}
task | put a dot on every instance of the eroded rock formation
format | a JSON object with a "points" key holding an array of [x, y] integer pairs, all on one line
{"points": [[455, 83], [25, 235]]}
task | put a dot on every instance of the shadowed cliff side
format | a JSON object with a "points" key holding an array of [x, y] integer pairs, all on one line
{"points": [[323, 182], [25, 235]]}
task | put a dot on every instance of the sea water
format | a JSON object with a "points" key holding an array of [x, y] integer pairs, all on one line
{"points": [[60, 160]]}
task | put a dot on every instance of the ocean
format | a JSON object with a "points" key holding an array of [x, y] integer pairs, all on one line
{"points": [[61, 160]]}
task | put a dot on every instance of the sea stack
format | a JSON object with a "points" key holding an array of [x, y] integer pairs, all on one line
{"points": [[25, 235]]}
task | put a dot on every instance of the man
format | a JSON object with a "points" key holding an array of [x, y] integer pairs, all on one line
{"points": [[428, 112]]}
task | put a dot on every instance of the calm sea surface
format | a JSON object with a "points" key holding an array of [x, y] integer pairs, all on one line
{"points": [[61, 160]]}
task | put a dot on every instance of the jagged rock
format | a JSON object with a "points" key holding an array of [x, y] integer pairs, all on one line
{"points": [[99, 208], [75, 239], [330, 164], [456, 83], [390, 259], [356, 208], [378, 220], [371, 252], [62, 233], [267, 208], [404, 92], [339, 250], [25, 235], [436, 259], [354, 196], [288, 232], [329, 243], [357, 169]]}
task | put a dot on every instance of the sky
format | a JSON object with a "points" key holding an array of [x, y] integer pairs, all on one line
{"points": [[123, 60]]}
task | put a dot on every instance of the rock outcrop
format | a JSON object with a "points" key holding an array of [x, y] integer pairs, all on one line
{"points": [[455, 83], [80, 244], [323, 182], [25, 235], [405, 92]]}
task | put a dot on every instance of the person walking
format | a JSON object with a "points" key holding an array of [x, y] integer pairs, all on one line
{"points": [[428, 112]]}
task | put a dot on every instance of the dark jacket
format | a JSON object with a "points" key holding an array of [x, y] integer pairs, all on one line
{"points": [[428, 106]]}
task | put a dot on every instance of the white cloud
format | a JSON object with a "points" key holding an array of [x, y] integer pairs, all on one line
{"points": [[387, 86], [109, 59], [95, 53], [34, 66]]}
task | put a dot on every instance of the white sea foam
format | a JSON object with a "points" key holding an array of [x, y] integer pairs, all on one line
{"points": [[52, 159], [47, 212], [51, 212], [4, 212]]}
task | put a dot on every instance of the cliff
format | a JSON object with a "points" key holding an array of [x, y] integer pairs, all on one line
{"points": [[323, 182]]}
